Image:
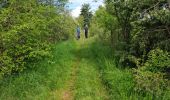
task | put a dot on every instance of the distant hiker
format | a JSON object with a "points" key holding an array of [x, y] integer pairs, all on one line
{"points": [[86, 31], [78, 32]]}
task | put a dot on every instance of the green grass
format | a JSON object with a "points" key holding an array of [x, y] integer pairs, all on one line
{"points": [[87, 64], [98, 77], [118, 81], [41, 83], [88, 85], [98, 63]]}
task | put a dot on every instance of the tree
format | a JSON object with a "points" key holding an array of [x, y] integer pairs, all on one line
{"points": [[122, 10], [145, 29], [108, 22], [86, 13], [53, 2]]}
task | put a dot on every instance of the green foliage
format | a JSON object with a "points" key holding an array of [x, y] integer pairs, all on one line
{"points": [[122, 10], [119, 82], [6, 64], [95, 28], [150, 79], [27, 29], [158, 61], [86, 13], [152, 83], [102, 22], [80, 21], [44, 81], [105, 19], [139, 28]]}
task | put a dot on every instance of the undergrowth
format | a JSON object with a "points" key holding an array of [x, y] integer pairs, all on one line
{"points": [[42, 82]]}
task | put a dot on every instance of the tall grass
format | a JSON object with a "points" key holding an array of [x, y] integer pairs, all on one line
{"points": [[43, 82], [97, 76], [118, 80], [88, 85]]}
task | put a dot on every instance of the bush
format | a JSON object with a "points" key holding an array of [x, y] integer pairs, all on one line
{"points": [[26, 32], [158, 61], [149, 83], [150, 79]]}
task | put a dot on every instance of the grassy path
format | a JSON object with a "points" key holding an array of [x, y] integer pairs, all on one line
{"points": [[78, 70], [70, 75], [88, 83], [85, 82], [68, 93]]}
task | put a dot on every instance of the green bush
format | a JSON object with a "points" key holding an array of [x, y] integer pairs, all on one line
{"points": [[27, 28], [150, 79], [150, 84], [158, 61]]}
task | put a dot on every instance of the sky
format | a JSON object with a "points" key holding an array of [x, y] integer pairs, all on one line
{"points": [[75, 6]]}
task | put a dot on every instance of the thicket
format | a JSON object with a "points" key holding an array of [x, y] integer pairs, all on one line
{"points": [[139, 32], [27, 29]]}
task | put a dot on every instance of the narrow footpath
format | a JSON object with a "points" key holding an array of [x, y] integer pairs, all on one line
{"points": [[84, 82]]}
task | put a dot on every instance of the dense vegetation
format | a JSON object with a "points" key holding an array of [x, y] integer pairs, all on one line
{"points": [[127, 56], [27, 28], [140, 37]]}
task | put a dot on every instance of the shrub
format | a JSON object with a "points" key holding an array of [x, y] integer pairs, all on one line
{"points": [[158, 61], [27, 28], [149, 83], [151, 77]]}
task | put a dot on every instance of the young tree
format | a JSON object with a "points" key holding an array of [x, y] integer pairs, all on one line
{"points": [[86, 13], [122, 10], [108, 22]]}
